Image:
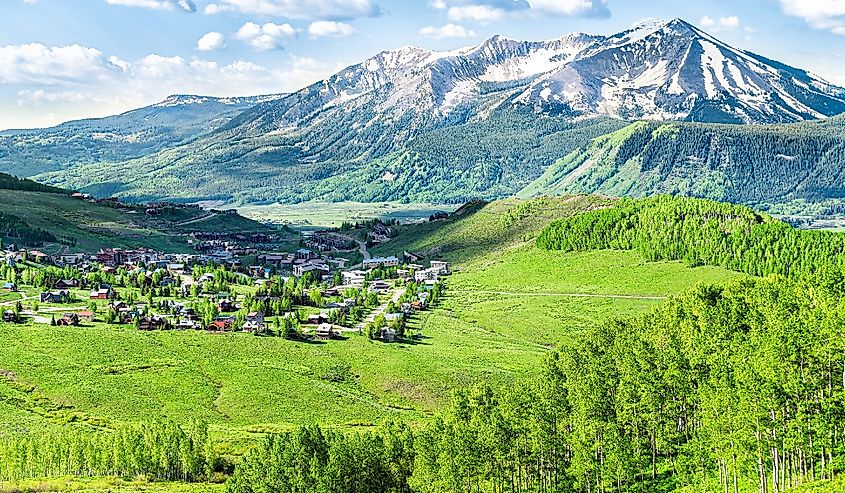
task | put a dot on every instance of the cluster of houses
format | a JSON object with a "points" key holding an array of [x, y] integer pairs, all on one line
{"points": [[380, 233], [327, 241], [302, 262]]}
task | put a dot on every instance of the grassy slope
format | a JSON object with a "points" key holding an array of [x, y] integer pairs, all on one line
{"points": [[246, 384], [94, 226]]}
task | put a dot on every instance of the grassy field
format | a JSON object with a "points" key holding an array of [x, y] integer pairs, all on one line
{"points": [[325, 215], [94, 226], [99, 485], [507, 303]]}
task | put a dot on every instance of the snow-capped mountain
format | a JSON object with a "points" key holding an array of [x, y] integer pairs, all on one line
{"points": [[658, 71], [416, 124]]}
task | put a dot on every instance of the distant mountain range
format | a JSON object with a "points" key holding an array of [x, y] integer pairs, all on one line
{"points": [[487, 121]]}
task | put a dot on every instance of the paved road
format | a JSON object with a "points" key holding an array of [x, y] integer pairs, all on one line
{"points": [[380, 309], [24, 297], [362, 246], [563, 295]]}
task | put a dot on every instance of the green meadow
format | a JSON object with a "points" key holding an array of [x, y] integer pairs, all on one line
{"points": [[503, 311]]}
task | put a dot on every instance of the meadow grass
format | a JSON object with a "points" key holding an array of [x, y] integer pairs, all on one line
{"points": [[507, 304]]}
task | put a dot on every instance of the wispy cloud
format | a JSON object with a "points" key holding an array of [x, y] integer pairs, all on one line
{"points": [[333, 29], [484, 11], [299, 9], [729, 23], [185, 5], [447, 31], [820, 14], [268, 36]]}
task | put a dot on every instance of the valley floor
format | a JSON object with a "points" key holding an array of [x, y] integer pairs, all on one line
{"points": [[501, 315]]}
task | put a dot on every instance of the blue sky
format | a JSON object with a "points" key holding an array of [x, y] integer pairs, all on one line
{"points": [[63, 59]]}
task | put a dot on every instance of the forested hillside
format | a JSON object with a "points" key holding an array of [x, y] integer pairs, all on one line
{"points": [[763, 166], [724, 388], [55, 221], [700, 232], [481, 159], [117, 138]]}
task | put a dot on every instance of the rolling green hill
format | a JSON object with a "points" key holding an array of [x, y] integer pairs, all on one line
{"points": [[79, 225], [567, 320], [777, 167], [243, 385]]}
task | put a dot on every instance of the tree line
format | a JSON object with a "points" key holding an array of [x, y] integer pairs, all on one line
{"points": [[160, 451], [728, 389], [699, 232]]}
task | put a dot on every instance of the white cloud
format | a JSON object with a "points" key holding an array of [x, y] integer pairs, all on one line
{"points": [[211, 41], [121, 64], [268, 36], [47, 85], [186, 5], [730, 23], [38, 64], [322, 29], [447, 31], [40, 97], [298, 9], [574, 8], [820, 14], [477, 13], [484, 11]]}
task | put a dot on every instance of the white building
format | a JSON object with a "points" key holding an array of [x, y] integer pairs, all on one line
{"points": [[377, 262]]}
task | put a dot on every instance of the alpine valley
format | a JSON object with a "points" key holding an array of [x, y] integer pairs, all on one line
{"points": [[661, 108]]}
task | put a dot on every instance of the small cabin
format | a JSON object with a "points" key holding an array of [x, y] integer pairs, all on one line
{"points": [[68, 320], [325, 332]]}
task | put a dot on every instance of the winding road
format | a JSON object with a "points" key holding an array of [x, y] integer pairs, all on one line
{"points": [[380, 309]]}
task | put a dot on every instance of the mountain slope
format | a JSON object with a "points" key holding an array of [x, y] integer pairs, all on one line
{"points": [[755, 165], [130, 135], [479, 122]]}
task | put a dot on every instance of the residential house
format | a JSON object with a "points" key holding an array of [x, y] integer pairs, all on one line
{"points": [[441, 267], [354, 278], [221, 324], [71, 259], [67, 284], [379, 286], [103, 292], [426, 275], [376, 262], [325, 332], [152, 323], [225, 305], [10, 286], [319, 269], [317, 319], [86, 316], [254, 322], [38, 256], [9, 317], [68, 320], [55, 297], [305, 254]]}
